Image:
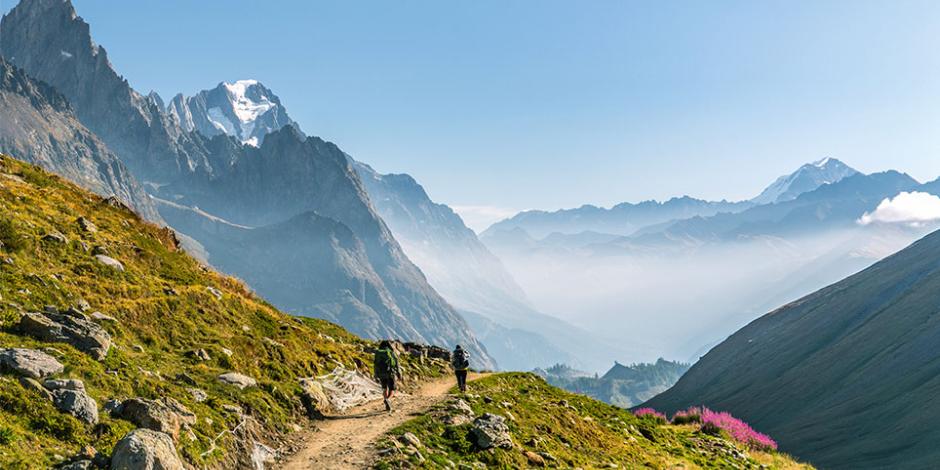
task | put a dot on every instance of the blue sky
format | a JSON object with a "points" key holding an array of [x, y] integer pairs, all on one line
{"points": [[504, 104]]}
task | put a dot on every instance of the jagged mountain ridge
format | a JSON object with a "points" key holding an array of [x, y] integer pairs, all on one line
{"points": [[858, 355], [214, 174], [38, 127], [807, 178], [244, 109]]}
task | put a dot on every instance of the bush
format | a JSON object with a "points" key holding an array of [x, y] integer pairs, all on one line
{"points": [[6, 436], [10, 239], [689, 416], [651, 415], [714, 423]]}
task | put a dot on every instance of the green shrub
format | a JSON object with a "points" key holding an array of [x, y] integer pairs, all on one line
{"points": [[9, 237], [7, 436]]}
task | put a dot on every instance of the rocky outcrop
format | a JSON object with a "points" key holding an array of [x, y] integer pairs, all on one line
{"points": [[165, 415], [77, 403], [75, 329], [29, 363], [145, 449], [490, 431], [241, 381]]}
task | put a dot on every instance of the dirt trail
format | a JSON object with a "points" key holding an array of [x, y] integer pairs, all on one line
{"points": [[347, 441]]}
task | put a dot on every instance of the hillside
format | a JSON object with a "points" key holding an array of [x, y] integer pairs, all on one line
{"points": [[532, 424], [846, 377], [165, 328]]}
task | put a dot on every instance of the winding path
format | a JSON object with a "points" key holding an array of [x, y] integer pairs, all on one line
{"points": [[348, 441]]}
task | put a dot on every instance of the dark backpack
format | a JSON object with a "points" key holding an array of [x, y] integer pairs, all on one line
{"points": [[385, 364], [461, 360]]}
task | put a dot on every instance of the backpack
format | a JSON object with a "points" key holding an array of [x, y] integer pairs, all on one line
{"points": [[385, 363], [461, 360]]}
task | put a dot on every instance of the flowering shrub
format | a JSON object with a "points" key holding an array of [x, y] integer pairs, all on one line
{"points": [[713, 423], [691, 415], [651, 414]]}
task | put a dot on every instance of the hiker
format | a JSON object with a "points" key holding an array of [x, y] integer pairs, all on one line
{"points": [[460, 359], [385, 365]]}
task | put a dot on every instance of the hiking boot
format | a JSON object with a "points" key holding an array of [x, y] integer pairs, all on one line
{"points": [[388, 406]]}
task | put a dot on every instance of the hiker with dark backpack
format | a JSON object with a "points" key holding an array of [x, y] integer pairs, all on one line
{"points": [[460, 359], [386, 368]]}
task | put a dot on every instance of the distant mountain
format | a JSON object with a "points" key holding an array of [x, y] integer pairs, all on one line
{"points": [[622, 219], [38, 126], [807, 178], [624, 386], [858, 355], [220, 178], [245, 109]]}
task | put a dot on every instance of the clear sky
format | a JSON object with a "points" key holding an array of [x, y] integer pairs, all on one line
{"points": [[505, 104]]}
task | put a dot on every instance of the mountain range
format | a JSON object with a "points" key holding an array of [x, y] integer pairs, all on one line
{"points": [[845, 377], [279, 181]]}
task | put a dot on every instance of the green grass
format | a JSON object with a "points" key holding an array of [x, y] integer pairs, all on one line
{"points": [[578, 431], [168, 325]]}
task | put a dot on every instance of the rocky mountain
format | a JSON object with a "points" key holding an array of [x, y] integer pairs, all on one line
{"points": [[807, 178], [38, 126], [622, 219], [245, 109], [858, 355], [622, 385], [225, 179]]}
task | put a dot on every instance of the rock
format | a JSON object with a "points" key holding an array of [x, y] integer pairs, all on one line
{"points": [[461, 406], [64, 384], [199, 396], [186, 379], [215, 292], [534, 459], [55, 237], [201, 354], [166, 415], [232, 409], [489, 431], [100, 317], [83, 464], [76, 403], [87, 225], [314, 398], [145, 449], [110, 262], [83, 305], [262, 456], [99, 250], [228, 352], [457, 420], [271, 342], [113, 407], [138, 348], [34, 385], [29, 363], [410, 439], [548, 457], [84, 335], [241, 381]]}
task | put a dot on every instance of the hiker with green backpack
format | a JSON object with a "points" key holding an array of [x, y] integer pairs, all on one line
{"points": [[386, 368], [460, 360]]}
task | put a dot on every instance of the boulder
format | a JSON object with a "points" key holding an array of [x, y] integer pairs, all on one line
{"points": [[534, 459], [490, 431], [314, 398], [145, 449], [410, 439], [110, 262], [199, 395], [29, 363], [55, 237], [201, 354], [87, 225], [241, 381], [84, 335], [64, 384], [166, 415], [76, 403], [100, 317]]}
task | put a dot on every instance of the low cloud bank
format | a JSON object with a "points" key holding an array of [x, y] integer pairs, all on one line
{"points": [[908, 208]]}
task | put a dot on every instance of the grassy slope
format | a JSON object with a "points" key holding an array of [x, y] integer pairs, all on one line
{"points": [[167, 325], [587, 434]]}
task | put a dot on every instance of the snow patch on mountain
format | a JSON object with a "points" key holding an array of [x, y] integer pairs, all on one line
{"points": [[807, 178]]}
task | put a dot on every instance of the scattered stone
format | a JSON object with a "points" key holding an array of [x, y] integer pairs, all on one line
{"points": [[215, 292], [232, 409], [29, 363], [271, 342], [534, 459], [201, 354], [170, 291], [505, 404], [34, 385], [64, 384], [241, 381], [100, 317], [199, 395], [185, 378], [138, 348], [113, 407], [76, 403], [9, 261], [487, 399], [83, 464], [55, 237], [87, 225], [410, 439], [110, 262], [246, 328], [490, 431], [99, 250], [84, 335], [145, 449], [228, 352], [83, 305], [548, 457], [166, 415]]}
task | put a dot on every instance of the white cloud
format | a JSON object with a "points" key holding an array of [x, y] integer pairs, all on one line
{"points": [[909, 208], [479, 218]]}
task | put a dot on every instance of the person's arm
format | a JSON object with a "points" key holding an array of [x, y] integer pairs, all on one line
{"points": [[398, 367]]}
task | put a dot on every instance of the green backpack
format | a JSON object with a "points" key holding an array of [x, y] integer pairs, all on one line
{"points": [[385, 364]]}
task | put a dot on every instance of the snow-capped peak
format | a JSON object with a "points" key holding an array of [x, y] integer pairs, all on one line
{"points": [[822, 163], [807, 178]]}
